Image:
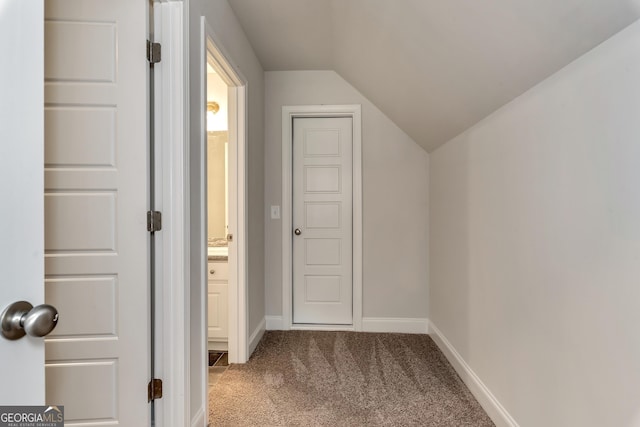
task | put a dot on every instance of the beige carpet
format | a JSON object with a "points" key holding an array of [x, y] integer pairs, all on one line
{"points": [[304, 378]]}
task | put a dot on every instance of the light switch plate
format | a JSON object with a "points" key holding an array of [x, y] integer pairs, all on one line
{"points": [[275, 212]]}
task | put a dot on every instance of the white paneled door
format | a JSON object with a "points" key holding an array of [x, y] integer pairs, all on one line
{"points": [[96, 184], [322, 220], [81, 241]]}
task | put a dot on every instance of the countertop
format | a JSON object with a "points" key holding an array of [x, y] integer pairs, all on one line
{"points": [[218, 243]]}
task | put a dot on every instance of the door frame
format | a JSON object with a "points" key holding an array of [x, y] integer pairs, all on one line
{"points": [[172, 243], [289, 112], [237, 104]]}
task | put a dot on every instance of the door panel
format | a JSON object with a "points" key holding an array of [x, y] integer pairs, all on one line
{"points": [[322, 211], [96, 257], [21, 189], [83, 319], [81, 377]]}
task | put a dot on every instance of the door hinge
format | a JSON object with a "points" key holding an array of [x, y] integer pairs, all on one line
{"points": [[154, 52], [154, 390], [154, 221]]}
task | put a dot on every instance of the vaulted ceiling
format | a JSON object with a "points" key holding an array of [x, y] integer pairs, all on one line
{"points": [[435, 67]]}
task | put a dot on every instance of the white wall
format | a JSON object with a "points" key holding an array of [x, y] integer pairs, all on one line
{"points": [[395, 170], [535, 244], [221, 19]]}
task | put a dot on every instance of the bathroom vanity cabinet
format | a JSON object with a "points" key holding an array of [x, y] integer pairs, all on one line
{"points": [[218, 297]]}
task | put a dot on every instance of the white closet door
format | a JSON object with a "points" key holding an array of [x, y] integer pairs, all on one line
{"points": [[322, 221]]}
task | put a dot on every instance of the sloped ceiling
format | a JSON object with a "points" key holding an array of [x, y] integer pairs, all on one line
{"points": [[435, 67]]}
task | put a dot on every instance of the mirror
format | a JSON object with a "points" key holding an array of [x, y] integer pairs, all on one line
{"points": [[217, 155], [217, 149]]}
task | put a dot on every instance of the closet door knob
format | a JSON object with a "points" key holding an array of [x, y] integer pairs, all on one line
{"points": [[297, 232]]}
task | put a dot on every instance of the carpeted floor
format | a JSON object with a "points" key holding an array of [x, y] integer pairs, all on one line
{"points": [[308, 378]]}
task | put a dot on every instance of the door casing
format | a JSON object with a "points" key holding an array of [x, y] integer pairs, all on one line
{"points": [[238, 342], [288, 114], [237, 105]]}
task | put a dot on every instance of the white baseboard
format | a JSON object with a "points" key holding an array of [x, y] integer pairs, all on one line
{"points": [[199, 419], [397, 325], [320, 327], [369, 324], [487, 400], [274, 323], [256, 336]]}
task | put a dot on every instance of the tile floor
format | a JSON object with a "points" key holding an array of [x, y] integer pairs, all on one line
{"points": [[218, 363]]}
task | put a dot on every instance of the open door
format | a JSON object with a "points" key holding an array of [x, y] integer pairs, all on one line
{"points": [[80, 242], [21, 192]]}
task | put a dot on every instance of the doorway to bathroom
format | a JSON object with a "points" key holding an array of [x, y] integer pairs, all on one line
{"points": [[218, 232], [223, 217]]}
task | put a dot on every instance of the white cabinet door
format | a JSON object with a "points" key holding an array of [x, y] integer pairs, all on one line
{"points": [[322, 220], [218, 302], [96, 179], [21, 191]]}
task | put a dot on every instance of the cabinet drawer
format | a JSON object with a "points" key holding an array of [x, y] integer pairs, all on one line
{"points": [[218, 271]]}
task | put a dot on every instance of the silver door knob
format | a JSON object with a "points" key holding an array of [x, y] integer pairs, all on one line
{"points": [[22, 318], [297, 232]]}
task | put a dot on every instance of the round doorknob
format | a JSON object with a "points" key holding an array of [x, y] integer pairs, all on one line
{"points": [[297, 232], [22, 318]]}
